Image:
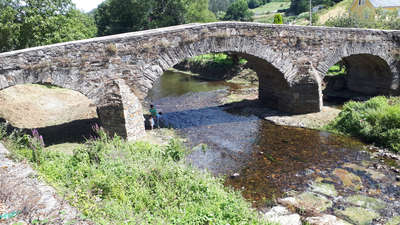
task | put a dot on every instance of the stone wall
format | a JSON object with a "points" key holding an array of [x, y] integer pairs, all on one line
{"points": [[117, 71]]}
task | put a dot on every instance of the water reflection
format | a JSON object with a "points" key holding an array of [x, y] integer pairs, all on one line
{"points": [[177, 84]]}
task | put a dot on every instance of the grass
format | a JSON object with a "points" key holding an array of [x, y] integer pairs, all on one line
{"points": [[375, 121], [67, 148], [270, 7], [335, 70], [264, 13], [116, 182], [215, 61], [335, 10]]}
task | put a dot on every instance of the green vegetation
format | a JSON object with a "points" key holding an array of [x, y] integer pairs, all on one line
{"points": [[120, 16], [378, 19], [336, 70], [238, 11], [278, 18], [265, 13], [113, 182], [271, 7], [300, 6], [375, 121], [217, 6], [31, 23], [216, 61]]}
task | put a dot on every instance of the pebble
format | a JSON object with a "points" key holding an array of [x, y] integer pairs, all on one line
{"points": [[235, 175]]}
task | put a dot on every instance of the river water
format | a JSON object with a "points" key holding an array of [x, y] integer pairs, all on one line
{"points": [[269, 159]]}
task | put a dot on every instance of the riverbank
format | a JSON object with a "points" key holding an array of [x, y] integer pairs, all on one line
{"points": [[239, 73]]}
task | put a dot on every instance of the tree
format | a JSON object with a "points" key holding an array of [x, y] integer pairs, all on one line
{"points": [[238, 11], [278, 18], [197, 12], [120, 16], [252, 4], [33, 23], [300, 6], [216, 6]]}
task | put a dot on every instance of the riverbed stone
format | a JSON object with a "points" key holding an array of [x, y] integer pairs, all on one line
{"points": [[394, 221], [325, 220], [308, 201], [323, 188], [366, 202], [349, 179], [358, 215], [374, 174], [280, 214]]}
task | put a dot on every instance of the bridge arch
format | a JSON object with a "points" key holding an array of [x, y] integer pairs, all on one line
{"points": [[370, 70], [277, 85]]}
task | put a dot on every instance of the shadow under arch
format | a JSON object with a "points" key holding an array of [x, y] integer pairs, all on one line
{"points": [[368, 74], [369, 71]]}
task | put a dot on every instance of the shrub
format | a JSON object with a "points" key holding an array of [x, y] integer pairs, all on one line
{"points": [[375, 121], [278, 18]]}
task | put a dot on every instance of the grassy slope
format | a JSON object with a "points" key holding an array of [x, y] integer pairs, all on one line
{"points": [[336, 10], [261, 12]]}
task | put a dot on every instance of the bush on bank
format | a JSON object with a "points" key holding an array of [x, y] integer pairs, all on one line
{"points": [[113, 181], [375, 121]]}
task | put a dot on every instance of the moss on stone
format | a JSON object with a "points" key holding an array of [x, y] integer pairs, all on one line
{"points": [[358, 215], [366, 202], [324, 188], [394, 221], [311, 200]]}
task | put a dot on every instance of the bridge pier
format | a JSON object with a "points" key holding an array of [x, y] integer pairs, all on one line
{"points": [[121, 112]]}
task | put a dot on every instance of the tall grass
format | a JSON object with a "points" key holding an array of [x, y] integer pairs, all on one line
{"points": [[113, 182], [375, 121]]}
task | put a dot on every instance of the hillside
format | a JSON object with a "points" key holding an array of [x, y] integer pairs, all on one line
{"points": [[334, 11]]}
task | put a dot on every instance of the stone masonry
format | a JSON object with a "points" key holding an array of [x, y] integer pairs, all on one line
{"points": [[116, 72]]}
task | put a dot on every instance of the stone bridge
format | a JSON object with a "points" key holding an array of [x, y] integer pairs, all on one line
{"points": [[116, 72]]}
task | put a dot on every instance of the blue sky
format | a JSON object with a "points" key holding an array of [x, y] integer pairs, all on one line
{"points": [[87, 5]]}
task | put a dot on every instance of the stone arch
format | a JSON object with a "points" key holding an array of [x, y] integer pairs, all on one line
{"points": [[278, 88], [370, 70], [118, 109]]}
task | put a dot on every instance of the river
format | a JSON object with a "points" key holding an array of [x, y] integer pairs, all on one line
{"points": [[264, 160]]}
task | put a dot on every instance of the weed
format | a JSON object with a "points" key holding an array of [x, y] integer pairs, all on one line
{"points": [[249, 33], [204, 31], [204, 148], [113, 181], [267, 32], [111, 49], [271, 158]]}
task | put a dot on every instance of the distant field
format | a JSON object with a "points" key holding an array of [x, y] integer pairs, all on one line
{"points": [[264, 13], [272, 6]]}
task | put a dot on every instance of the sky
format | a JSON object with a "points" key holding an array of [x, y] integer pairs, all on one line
{"points": [[87, 5]]}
